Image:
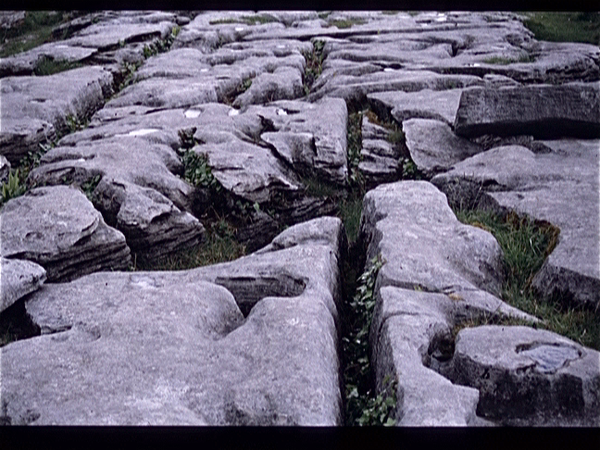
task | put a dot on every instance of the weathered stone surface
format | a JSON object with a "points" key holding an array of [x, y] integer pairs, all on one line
{"points": [[26, 63], [529, 377], [543, 111], [380, 159], [58, 228], [17, 279], [434, 147], [326, 120], [284, 83], [560, 187], [424, 104], [436, 273], [43, 104], [177, 350], [138, 193], [4, 169]]}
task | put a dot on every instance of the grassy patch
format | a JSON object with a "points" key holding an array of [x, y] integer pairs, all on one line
{"points": [[220, 245], [248, 20], [524, 58], [347, 23], [354, 143], [34, 31], [565, 26], [240, 89], [526, 244], [160, 45], [48, 66], [314, 65], [363, 407]]}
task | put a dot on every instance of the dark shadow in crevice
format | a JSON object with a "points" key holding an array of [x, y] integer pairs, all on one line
{"points": [[16, 325]]}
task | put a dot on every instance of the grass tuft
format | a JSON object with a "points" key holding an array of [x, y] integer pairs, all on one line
{"points": [[347, 23], [526, 244], [565, 26], [314, 65]]}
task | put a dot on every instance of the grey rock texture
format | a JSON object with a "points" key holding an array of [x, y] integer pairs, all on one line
{"points": [[380, 159], [423, 104], [544, 111], [559, 186], [35, 109], [529, 377], [176, 349], [17, 279], [436, 273], [59, 229], [4, 169], [138, 192], [434, 147]]}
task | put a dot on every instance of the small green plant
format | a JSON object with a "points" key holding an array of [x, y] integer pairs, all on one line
{"points": [[363, 407], [160, 45], [410, 171], [13, 187], [89, 186], [74, 123], [240, 89], [314, 65], [197, 172]]}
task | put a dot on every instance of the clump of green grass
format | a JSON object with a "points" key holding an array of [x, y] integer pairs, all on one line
{"points": [[248, 20], [314, 65], [354, 145], [363, 407], [219, 245], [48, 66], [524, 58], [526, 244], [160, 45], [347, 23], [13, 187], [240, 89], [35, 30], [565, 26]]}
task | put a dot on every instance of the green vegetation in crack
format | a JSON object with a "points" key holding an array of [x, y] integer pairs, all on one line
{"points": [[219, 245], [395, 136], [17, 183], [347, 23], [160, 45], [565, 26], [248, 20], [244, 85], [48, 66], [314, 65], [526, 244], [499, 60], [363, 405]]}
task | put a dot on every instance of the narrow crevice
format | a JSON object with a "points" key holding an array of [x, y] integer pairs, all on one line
{"points": [[15, 324]]}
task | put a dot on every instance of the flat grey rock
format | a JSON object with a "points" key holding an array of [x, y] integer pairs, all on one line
{"points": [[529, 377], [434, 147], [33, 108], [436, 273], [58, 228], [424, 104], [285, 83], [17, 279], [380, 159], [26, 63], [545, 111], [177, 350], [561, 187]]}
